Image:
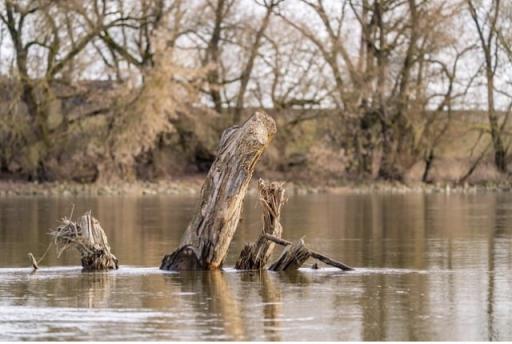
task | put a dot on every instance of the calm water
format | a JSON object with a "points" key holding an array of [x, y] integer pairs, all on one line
{"points": [[430, 267]]}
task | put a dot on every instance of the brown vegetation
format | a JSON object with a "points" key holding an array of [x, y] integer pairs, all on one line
{"points": [[102, 90]]}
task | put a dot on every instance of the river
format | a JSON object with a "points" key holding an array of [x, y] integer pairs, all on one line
{"points": [[428, 267]]}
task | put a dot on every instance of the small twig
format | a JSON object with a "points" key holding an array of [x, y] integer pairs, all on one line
{"points": [[35, 262], [72, 209]]}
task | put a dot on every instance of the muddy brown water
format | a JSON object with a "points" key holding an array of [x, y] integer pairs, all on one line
{"points": [[429, 267]]}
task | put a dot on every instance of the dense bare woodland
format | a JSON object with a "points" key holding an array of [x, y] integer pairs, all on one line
{"points": [[361, 89]]}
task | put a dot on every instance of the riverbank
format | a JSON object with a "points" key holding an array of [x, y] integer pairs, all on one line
{"points": [[192, 186]]}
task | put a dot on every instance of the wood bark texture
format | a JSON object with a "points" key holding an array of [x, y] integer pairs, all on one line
{"points": [[292, 257], [314, 254], [209, 234], [255, 256]]}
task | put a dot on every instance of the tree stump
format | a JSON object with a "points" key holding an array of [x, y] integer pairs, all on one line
{"points": [[314, 254], [89, 239], [256, 255], [209, 234], [292, 257]]}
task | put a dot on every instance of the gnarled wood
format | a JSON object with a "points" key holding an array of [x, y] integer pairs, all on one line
{"points": [[292, 257], [314, 254], [212, 228], [255, 256], [89, 239]]}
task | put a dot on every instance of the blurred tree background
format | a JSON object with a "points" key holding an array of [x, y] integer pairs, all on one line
{"points": [[102, 90]]}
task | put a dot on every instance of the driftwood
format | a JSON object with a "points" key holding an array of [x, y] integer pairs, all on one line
{"points": [[209, 234], [292, 257], [256, 255], [314, 254], [89, 239]]}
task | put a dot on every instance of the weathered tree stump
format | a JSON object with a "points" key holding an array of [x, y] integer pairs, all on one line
{"points": [[89, 239], [314, 254], [209, 234], [292, 257], [256, 255]]}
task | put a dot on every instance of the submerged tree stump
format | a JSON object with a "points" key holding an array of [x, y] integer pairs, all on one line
{"points": [[207, 237], [314, 254], [256, 255], [292, 257], [89, 239]]}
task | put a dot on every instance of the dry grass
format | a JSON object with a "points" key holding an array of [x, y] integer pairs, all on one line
{"points": [[69, 235]]}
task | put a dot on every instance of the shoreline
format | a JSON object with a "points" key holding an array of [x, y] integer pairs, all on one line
{"points": [[192, 186]]}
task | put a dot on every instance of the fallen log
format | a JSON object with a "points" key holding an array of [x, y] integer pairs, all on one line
{"points": [[89, 239], [209, 234], [292, 257], [314, 254], [256, 255]]}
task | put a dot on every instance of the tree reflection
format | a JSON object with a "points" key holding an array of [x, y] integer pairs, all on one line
{"points": [[270, 294], [271, 297], [214, 298], [96, 289]]}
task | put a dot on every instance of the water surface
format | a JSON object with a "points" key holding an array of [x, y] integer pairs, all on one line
{"points": [[429, 267]]}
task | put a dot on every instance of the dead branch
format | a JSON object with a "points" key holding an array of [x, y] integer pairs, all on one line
{"points": [[314, 254], [255, 256]]}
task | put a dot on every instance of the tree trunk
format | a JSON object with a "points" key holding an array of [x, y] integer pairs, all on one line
{"points": [[212, 56], [245, 78], [428, 165], [499, 149], [256, 255], [207, 237]]}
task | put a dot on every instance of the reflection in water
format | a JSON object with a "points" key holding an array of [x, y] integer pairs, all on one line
{"points": [[97, 289], [432, 267], [215, 297], [271, 299], [269, 292], [223, 301]]}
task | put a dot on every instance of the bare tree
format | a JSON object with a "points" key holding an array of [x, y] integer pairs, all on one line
{"points": [[119, 34], [33, 28], [379, 86], [486, 24], [385, 75], [226, 29]]}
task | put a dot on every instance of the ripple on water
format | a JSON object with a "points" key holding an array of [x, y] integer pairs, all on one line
{"points": [[74, 271]]}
